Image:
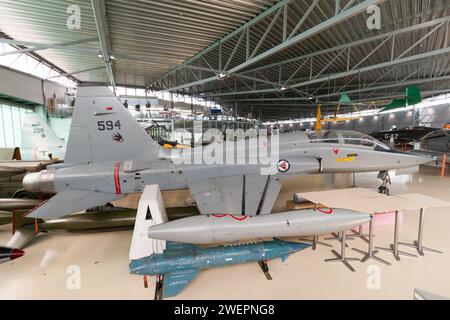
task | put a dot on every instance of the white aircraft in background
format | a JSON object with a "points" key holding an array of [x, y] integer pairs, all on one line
{"points": [[39, 141]]}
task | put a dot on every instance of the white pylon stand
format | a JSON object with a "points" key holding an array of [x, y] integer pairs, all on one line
{"points": [[341, 257], [315, 241], [418, 243], [371, 254], [394, 247]]}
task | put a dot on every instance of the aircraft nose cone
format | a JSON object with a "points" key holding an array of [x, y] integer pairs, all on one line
{"points": [[16, 253], [8, 254], [416, 160], [422, 159], [297, 246]]}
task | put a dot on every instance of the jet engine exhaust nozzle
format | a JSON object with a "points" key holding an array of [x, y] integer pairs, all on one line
{"points": [[42, 181]]}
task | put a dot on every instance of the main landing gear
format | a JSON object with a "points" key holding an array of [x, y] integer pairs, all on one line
{"points": [[385, 180]]}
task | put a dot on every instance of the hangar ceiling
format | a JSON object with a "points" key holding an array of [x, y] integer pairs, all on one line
{"points": [[271, 58]]}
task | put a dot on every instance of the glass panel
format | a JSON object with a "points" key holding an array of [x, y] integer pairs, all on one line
{"points": [[323, 137], [361, 139]]}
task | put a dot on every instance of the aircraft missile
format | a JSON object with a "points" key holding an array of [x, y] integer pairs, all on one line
{"points": [[181, 262], [6, 172], [9, 204], [8, 254], [219, 228], [117, 218]]}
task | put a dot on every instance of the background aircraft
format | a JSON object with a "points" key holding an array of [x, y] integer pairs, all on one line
{"points": [[39, 142], [404, 135], [437, 142]]}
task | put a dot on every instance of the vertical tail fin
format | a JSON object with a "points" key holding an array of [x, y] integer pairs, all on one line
{"points": [[39, 140], [103, 130], [151, 211], [413, 95]]}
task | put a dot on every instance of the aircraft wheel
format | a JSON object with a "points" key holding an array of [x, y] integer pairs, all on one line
{"points": [[22, 194], [383, 190]]}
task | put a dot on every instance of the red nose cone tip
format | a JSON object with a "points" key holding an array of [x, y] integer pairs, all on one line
{"points": [[16, 253]]}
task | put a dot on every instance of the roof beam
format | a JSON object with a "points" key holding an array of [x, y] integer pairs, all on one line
{"points": [[342, 16], [37, 47], [98, 6], [333, 94], [383, 36], [75, 72], [343, 74]]}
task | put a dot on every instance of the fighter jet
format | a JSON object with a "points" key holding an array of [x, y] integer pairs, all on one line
{"points": [[109, 155], [404, 135]]}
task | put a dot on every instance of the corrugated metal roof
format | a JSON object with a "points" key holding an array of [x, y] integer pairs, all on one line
{"points": [[151, 38]]}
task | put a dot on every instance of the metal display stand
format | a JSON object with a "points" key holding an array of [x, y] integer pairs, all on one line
{"points": [[361, 234], [418, 243], [339, 238], [315, 241], [371, 254], [394, 247], [159, 287], [265, 269], [341, 257]]}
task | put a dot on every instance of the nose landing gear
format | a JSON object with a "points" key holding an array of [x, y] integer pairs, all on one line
{"points": [[385, 180]]}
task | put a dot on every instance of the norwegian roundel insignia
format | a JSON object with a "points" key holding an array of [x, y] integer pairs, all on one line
{"points": [[283, 166]]}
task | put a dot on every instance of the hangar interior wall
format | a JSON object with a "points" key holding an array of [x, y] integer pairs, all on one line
{"points": [[10, 125]]}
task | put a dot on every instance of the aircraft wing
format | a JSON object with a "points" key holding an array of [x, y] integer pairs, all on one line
{"points": [[175, 282], [236, 195], [71, 201]]}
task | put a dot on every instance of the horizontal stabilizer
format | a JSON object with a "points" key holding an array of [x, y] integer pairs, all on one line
{"points": [[175, 282], [71, 201]]}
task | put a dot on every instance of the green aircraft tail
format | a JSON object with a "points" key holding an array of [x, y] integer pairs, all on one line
{"points": [[413, 97]]}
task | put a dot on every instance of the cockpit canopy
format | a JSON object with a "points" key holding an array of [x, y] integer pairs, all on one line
{"points": [[346, 137], [436, 134]]}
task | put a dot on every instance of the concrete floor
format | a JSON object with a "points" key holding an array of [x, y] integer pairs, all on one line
{"points": [[102, 259]]}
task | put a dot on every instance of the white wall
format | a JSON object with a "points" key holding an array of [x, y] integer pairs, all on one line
{"points": [[27, 87]]}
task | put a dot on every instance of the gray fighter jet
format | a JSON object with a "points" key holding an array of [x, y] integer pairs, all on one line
{"points": [[109, 155]]}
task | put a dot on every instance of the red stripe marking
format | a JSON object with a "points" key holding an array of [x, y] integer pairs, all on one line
{"points": [[221, 215], [117, 178], [36, 226], [330, 210], [239, 218]]}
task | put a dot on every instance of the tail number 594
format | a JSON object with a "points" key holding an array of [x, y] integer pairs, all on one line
{"points": [[108, 125]]}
